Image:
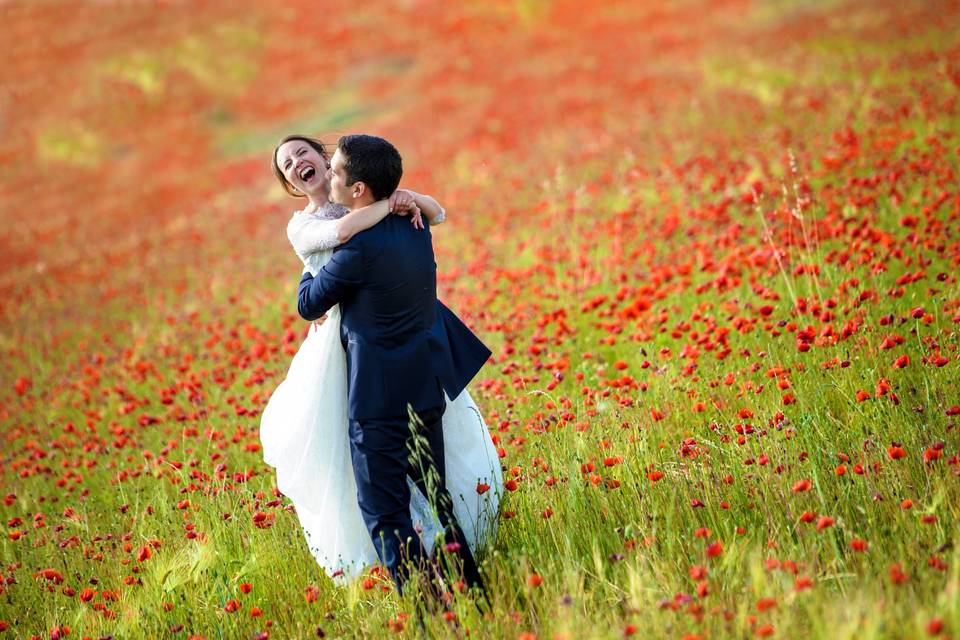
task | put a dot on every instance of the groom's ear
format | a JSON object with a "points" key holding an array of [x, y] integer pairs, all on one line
{"points": [[359, 189]]}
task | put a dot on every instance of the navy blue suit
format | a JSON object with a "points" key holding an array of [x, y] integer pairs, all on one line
{"points": [[404, 349]]}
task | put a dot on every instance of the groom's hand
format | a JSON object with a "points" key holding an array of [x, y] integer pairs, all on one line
{"points": [[403, 202]]}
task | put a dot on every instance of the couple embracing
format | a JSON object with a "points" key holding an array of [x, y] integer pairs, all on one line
{"points": [[375, 438]]}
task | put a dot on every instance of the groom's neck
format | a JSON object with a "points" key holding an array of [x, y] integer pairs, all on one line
{"points": [[361, 203]]}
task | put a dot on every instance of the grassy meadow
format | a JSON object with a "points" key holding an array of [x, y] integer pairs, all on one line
{"points": [[713, 247]]}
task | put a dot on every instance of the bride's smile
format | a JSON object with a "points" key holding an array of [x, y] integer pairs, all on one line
{"points": [[304, 168]]}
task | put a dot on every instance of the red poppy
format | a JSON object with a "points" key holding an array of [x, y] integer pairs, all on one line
{"points": [[766, 603], [897, 574], [895, 452]]}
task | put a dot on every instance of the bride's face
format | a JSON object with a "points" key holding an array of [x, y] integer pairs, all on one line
{"points": [[304, 168]]}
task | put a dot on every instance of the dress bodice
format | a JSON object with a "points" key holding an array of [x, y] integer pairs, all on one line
{"points": [[314, 235]]}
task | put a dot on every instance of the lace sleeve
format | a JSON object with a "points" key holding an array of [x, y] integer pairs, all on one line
{"points": [[439, 218], [309, 234]]}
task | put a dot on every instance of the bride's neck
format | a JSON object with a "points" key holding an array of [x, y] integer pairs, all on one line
{"points": [[317, 202]]}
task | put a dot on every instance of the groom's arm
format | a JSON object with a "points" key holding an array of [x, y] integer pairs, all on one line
{"points": [[336, 281]]}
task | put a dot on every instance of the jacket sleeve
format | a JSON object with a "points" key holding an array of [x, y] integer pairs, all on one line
{"points": [[335, 282]]}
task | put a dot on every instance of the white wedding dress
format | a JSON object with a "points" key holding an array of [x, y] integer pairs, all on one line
{"points": [[303, 431]]}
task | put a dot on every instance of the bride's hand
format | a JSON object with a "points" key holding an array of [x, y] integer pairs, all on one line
{"points": [[416, 219], [401, 200], [403, 203]]}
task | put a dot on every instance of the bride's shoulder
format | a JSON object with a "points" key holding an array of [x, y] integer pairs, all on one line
{"points": [[329, 211]]}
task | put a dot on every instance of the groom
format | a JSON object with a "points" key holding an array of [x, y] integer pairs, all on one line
{"points": [[400, 344]]}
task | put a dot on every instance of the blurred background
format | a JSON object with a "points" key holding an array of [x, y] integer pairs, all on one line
{"points": [[136, 136]]}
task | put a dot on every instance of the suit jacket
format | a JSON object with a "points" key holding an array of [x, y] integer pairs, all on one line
{"points": [[403, 346]]}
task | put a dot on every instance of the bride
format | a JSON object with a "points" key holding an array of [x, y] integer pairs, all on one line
{"points": [[303, 428]]}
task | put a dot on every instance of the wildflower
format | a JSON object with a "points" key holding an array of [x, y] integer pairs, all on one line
{"points": [[802, 583], [703, 589], [897, 574], [766, 603], [896, 452], [51, 575], [21, 385]]}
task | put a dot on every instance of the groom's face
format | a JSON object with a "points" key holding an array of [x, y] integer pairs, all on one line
{"points": [[339, 191]]}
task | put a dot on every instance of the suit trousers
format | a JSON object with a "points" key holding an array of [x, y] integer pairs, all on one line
{"points": [[384, 452]]}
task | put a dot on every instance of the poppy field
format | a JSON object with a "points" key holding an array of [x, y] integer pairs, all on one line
{"points": [[714, 248]]}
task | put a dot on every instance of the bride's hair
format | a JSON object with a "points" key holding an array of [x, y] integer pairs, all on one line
{"points": [[318, 146]]}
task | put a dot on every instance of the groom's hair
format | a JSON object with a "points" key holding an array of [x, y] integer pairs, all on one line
{"points": [[372, 161]]}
